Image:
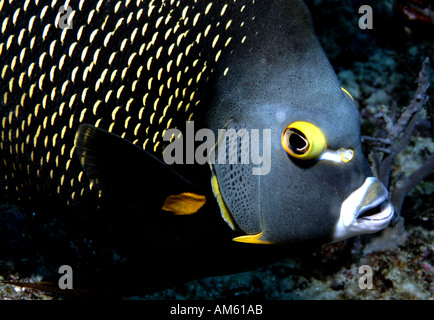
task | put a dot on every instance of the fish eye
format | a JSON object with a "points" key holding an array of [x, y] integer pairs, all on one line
{"points": [[303, 140]]}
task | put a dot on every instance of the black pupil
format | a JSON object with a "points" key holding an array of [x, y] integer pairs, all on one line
{"points": [[297, 142]]}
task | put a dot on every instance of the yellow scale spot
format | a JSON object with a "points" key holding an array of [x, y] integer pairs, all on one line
{"points": [[216, 39], [107, 96], [170, 50], [114, 112], [179, 106], [65, 84], [119, 92], [133, 86], [46, 141], [73, 74], [83, 94], [208, 28], [62, 134], [53, 118], [82, 114], [178, 60], [145, 97], [150, 83], [71, 152], [134, 33], [52, 72], [156, 104], [169, 123], [80, 176], [95, 107], [145, 143], [160, 72], [187, 51], [71, 121], [136, 129], [168, 32], [11, 84], [71, 101], [127, 121], [127, 108], [141, 113], [21, 79]]}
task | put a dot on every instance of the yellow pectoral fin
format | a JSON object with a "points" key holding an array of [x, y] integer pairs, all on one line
{"points": [[184, 203], [252, 238], [223, 208]]}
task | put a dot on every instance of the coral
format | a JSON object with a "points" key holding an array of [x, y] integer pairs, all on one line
{"points": [[391, 139]]}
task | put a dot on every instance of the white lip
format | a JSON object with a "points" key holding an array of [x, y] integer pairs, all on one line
{"points": [[352, 221]]}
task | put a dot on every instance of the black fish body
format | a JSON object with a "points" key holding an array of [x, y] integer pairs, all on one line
{"points": [[85, 109], [125, 67]]}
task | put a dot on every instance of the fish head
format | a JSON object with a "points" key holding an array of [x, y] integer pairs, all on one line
{"points": [[313, 184]]}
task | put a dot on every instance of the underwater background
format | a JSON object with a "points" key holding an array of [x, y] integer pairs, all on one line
{"points": [[380, 68]]}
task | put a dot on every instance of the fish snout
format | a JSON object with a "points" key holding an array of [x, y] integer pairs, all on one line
{"points": [[365, 210]]}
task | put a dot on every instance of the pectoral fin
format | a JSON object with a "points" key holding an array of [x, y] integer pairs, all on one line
{"points": [[184, 204]]}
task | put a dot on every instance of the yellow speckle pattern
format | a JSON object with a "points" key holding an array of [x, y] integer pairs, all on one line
{"points": [[134, 68]]}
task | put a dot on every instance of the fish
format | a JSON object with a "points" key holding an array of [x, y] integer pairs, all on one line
{"points": [[94, 94]]}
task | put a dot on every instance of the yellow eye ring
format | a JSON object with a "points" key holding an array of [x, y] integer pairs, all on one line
{"points": [[303, 140]]}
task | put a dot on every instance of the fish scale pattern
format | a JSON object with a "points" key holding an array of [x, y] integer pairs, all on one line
{"points": [[134, 68]]}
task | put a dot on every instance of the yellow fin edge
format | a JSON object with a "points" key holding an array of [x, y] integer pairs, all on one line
{"points": [[251, 238], [346, 91], [222, 205]]}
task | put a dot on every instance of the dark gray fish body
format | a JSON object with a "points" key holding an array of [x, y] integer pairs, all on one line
{"points": [[138, 68]]}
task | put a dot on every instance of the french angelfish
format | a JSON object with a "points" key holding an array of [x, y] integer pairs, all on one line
{"points": [[98, 83]]}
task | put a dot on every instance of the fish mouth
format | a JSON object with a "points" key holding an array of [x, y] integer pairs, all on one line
{"points": [[366, 210], [376, 213]]}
